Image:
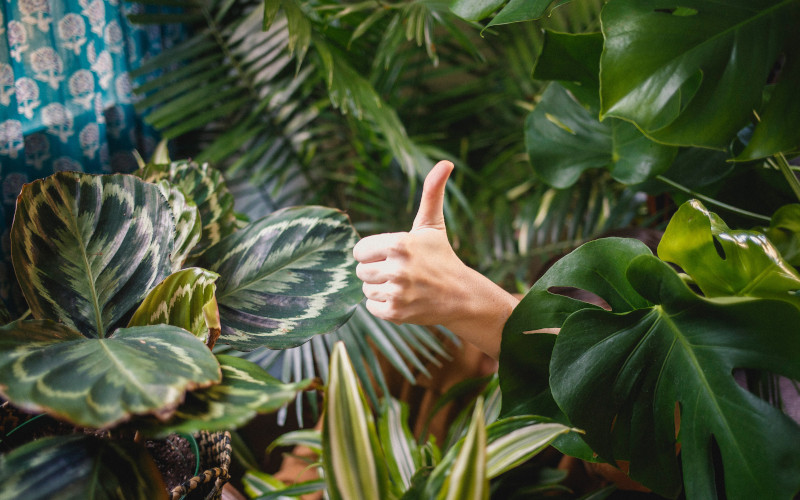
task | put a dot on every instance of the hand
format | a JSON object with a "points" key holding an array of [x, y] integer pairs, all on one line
{"points": [[416, 277]]}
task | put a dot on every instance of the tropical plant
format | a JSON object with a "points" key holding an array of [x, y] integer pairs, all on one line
{"points": [[695, 99], [130, 283], [364, 459]]}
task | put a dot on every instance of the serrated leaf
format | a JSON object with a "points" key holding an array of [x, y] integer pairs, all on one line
{"points": [[725, 262], [87, 248], [46, 366], [184, 299], [245, 391], [352, 458], [80, 466], [621, 377], [206, 188], [285, 278], [188, 225]]}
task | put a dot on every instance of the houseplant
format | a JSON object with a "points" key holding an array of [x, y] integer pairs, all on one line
{"points": [[123, 320]]}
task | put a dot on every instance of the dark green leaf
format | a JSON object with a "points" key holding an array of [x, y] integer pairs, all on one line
{"points": [[285, 278], [87, 248], [517, 11], [188, 225], [475, 10], [46, 366], [620, 376], [79, 466], [784, 232]]}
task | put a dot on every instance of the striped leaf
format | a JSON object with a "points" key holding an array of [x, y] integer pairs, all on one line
{"points": [[466, 478], [80, 466], [245, 391], [188, 226], [206, 188], [352, 459], [264, 486], [87, 248], [185, 299], [512, 441], [48, 367], [398, 443], [285, 278], [310, 438]]}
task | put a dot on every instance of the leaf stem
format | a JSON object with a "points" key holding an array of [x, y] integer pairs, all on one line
{"points": [[786, 169], [712, 201]]}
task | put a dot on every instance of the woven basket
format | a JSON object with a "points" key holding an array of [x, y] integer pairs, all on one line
{"points": [[215, 460]]}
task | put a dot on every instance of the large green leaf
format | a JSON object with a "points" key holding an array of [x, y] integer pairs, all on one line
{"points": [[623, 377], [80, 466], [597, 267], [87, 248], [46, 366], [784, 232], [724, 262], [185, 299], [206, 188], [516, 11], [285, 278], [564, 139], [352, 458], [693, 72], [245, 391]]}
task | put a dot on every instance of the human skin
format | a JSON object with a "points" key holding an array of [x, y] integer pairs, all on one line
{"points": [[416, 277]]}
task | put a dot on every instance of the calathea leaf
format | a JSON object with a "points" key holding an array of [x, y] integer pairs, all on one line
{"points": [[206, 188], [80, 466], [623, 377], [87, 248], [725, 262], [246, 390], [692, 72], [47, 366], [188, 226], [285, 278], [184, 299], [352, 457]]}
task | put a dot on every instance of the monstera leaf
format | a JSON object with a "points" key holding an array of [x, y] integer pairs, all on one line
{"points": [[285, 278], [692, 72], [245, 391], [47, 366], [87, 248], [624, 378], [80, 466], [185, 299], [206, 188], [784, 232], [724, 262], [597, 267]]}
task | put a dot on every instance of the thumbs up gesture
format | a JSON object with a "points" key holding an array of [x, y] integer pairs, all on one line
{"points": [[416, 277]]}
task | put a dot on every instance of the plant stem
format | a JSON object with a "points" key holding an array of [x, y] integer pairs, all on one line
{"points": [[712, 201], [786, 169]]}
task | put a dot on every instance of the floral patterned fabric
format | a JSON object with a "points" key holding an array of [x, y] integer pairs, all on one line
{"points": [[66, 100]]}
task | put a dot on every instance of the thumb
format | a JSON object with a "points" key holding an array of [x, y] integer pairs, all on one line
{"points": [[430, 213]]}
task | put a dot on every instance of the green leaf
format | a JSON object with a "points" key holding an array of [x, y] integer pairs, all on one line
{"points": [[573, 60], [475, 10], [188, 225], [564, 139], [597, 267], [724, 262], [87, 248], [299, 29], [466, 477], [285, 278], [512, 441], [80, 466], [621, 378], [784, 232], [691, 73], [206, 188], [517, 11], [398, 443], [46, 366], [246, 390], [352, 458], [310, 438]]}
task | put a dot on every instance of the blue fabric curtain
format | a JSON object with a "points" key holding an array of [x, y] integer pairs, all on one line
{"points": [[66, 100]]}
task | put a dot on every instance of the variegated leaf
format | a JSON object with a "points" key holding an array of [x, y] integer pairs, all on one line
{"points": [[206, 187], [398, 443], [46, 366], [80, 466], [467, 476], [285, 278], [188, 226], [513, 440], [264, 486], [245, 391], [352, 458], [310, 438], [87, 248], [184, 299]]}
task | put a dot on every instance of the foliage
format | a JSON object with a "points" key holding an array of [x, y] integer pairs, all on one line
{"points": [[367, 459], [121, 341]]}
